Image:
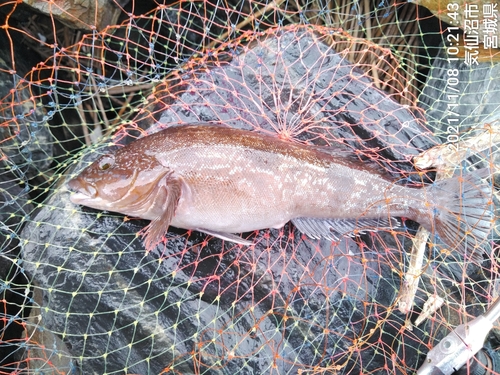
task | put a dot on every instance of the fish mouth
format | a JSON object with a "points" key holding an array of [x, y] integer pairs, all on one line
{"points": [[82, 191]]}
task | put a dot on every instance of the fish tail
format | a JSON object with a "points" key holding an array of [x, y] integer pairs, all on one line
{"points": [[462, 214]]}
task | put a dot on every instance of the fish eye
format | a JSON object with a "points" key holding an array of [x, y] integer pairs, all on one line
{"points": [[106, 162]]}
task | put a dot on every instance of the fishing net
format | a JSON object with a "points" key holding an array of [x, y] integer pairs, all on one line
{"points": [[381, 81]]}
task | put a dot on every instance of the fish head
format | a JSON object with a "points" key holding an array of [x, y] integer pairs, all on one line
{"points": [[122, 182]]}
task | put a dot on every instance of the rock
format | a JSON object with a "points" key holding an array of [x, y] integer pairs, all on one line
{"points": [[25, 139], [16, 301], [25, 151], [15, 210], [50, 352]]}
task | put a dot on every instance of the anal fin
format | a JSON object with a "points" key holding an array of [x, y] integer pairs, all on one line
{"points": [[333, 229]]}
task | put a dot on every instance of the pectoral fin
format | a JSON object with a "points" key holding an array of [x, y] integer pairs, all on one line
{"points": [[333, 229], [168, 195], [226, 236]]}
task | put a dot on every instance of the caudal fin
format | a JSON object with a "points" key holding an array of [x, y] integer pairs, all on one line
{"points": [[462, 213]]}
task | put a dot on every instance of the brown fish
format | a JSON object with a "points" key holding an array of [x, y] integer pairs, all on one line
{"points": [[222, 181]]}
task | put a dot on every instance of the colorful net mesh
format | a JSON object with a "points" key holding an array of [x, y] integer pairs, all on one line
{"points": [[79, 293]]}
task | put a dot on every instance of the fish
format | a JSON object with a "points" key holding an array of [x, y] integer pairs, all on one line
{"points": [[223, 181]]}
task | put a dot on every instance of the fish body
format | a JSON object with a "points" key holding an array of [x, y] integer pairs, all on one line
{"points": [[223, 180]]}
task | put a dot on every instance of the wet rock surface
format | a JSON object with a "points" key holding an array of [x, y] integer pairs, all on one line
{"points": [[25, 150], [24, 135]]}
